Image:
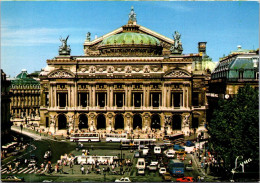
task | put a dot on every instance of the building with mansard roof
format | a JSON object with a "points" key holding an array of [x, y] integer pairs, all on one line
{"points": [[129, 79], [232, 72], [25, 98]]}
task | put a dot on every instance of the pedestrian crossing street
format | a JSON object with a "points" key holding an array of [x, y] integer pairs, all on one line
{"points": [[25, 170]]}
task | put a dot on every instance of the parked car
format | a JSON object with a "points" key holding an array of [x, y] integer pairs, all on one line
{"points": [[140, 163], [123, 179], [162, 171], [188, 167], [152, 167], [145, 151], [140, 171], [178, 147], [137, 154], [180, 152], [157, 150], [12, 178], [154, 162], [167, 176], [185, 179], [169, 153], [189, 144]]}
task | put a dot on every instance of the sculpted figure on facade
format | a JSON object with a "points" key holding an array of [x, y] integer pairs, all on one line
{"points": [[88, 36], [176, 48], [132, 15], [52, 119], [187, 120], [71, 120], [64, 48]]}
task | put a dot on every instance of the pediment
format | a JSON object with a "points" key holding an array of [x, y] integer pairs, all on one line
{"points": [[177, 73], [142, 29], [61, 73]]}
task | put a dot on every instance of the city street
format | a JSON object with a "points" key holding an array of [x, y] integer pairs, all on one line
{"points": [[41, 143]]}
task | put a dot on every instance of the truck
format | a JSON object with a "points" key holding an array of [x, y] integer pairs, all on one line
{"points": [[176, 167]]}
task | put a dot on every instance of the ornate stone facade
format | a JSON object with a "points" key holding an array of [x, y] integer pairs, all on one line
{"points": [[121, 86], [25, 97]]}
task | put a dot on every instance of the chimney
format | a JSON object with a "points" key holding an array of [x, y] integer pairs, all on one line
{"points": [[202, 47]]}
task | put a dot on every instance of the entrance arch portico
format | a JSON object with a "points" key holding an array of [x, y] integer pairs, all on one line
{"points": [[101, 121], [119, 122], [137, 121], [155, 121], [62, 122]]}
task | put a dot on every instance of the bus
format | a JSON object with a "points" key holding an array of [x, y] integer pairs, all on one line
{"points": [[116, 137], [176, 167], [135, 143], [176, 138], [85, 137]]}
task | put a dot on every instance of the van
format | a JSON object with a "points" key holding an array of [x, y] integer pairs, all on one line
{"points": [[140, 163], [157, 150], [145, 151]]}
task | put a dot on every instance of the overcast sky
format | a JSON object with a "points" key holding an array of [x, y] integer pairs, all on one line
{"points": [[30, 31]]}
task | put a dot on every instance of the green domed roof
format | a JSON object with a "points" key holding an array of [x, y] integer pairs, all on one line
{"points": [[131, 38]]}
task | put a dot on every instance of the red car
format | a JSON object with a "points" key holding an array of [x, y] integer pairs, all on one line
{"points": [[185, 179]]}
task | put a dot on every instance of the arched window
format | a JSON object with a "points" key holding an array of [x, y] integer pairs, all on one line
{"points": [[62, 122], [137, 121], [101, 122], [119, 121], [176, 122], [155, 122], [83, 121]]}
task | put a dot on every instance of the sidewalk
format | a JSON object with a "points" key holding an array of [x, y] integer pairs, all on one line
{"points": [[202, 170], [33, 134]]}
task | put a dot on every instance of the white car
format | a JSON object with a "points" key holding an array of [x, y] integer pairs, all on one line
{"points": [[162, 171], [123, 179], [141, 171], [145, 151], [154, 163], [169, 153], [152, 167]]}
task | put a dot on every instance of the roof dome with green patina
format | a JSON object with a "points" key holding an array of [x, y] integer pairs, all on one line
{"points": [[130, 44], [131, 38], [22, 75]]}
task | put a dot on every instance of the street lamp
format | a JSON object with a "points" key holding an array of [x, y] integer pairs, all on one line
{"points": [[199, 146], [104, 176], [167, 123]]}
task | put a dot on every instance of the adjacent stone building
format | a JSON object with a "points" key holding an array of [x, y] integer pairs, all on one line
{"points": [[232, 72], [5, 108], [25, 97], [131, 78]]}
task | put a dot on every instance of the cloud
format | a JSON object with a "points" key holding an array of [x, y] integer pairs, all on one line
{"points": [[11, 36]]}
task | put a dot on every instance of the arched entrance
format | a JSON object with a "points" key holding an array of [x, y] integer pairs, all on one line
{"points": [[176, 122], [62, 122], [101, 122], [155, 122], [83, 121], [137, 121], [119, 121]]}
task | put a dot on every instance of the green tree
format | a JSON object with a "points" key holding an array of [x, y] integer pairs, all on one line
{"points": [[234, 128]]}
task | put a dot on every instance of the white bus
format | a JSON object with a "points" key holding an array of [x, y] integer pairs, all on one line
{"points": [[135, 143], [85, 137], [116, 137]]}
